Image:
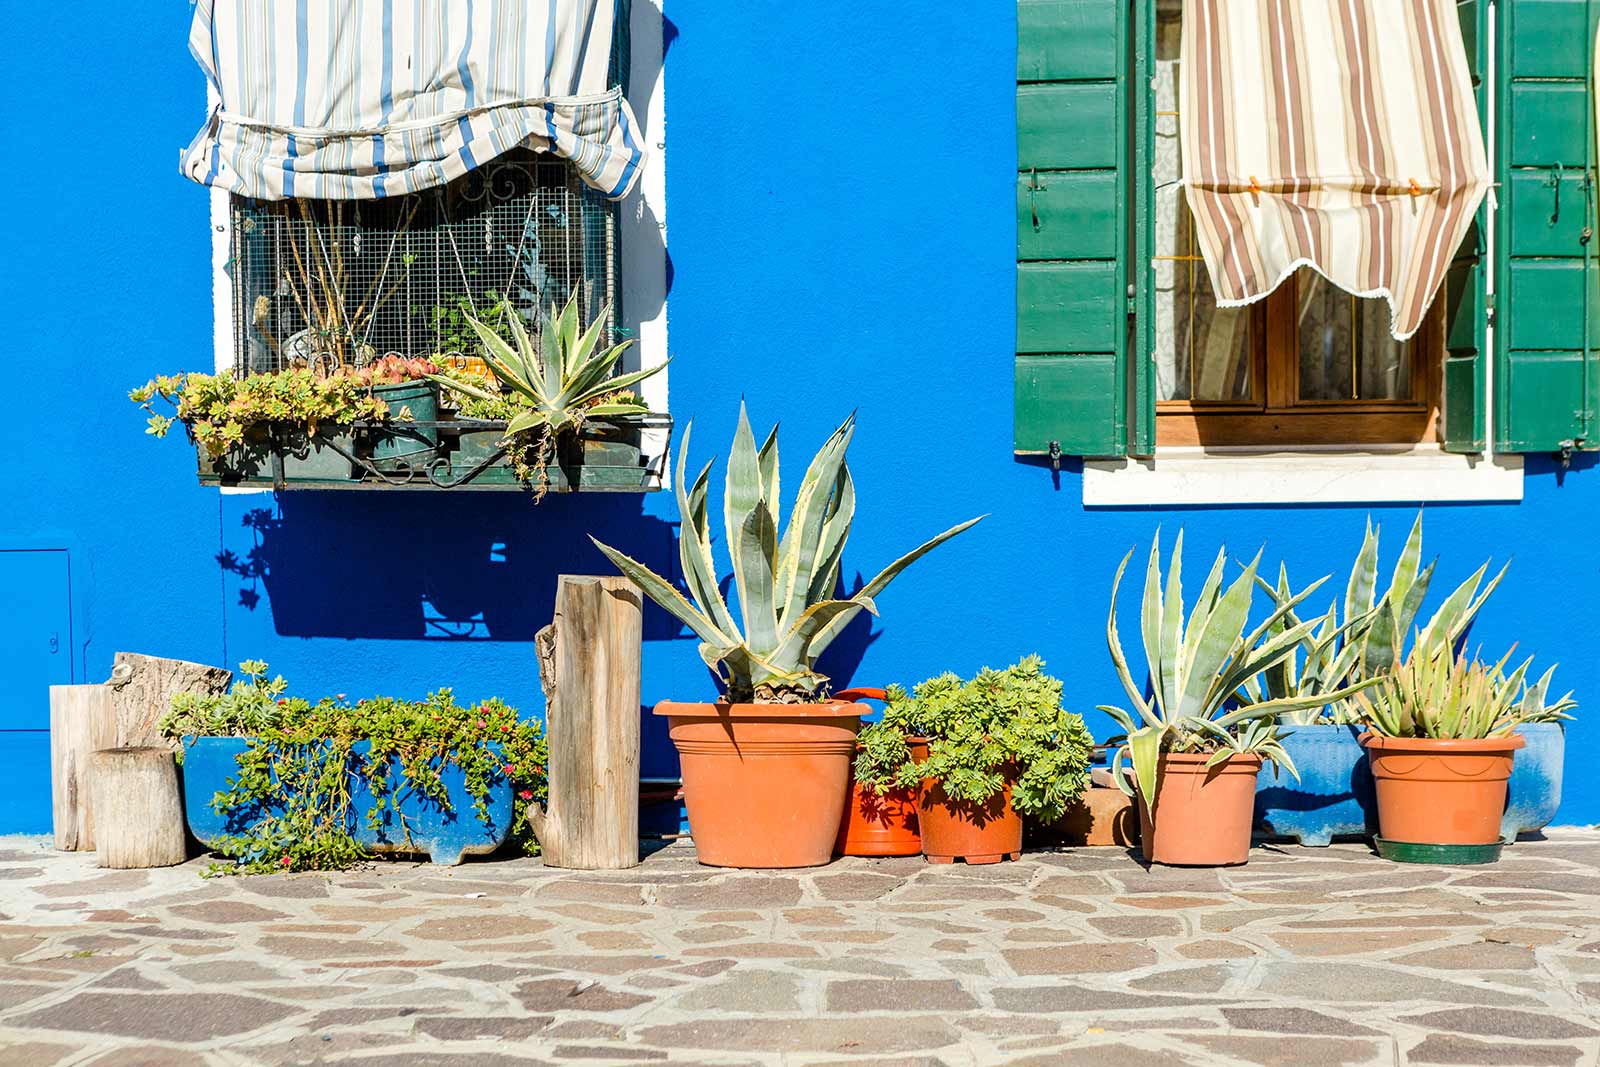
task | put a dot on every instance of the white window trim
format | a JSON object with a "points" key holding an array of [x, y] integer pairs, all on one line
{"points": [[1180, 477], [642, 264]]}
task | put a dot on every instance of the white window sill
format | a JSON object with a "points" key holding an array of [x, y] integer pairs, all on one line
{"points": [[1198, 476]]}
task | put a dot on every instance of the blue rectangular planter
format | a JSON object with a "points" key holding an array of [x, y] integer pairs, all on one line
{"points": [[445, 835], [1335, 795]]}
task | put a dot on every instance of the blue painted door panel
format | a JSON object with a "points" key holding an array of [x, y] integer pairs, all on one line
{"points": [[35, 653]]}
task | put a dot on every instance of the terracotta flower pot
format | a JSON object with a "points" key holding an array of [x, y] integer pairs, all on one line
{"points": [[1202, 815], [886, 825], [953, 829], [1441, 792], [764, 784]]}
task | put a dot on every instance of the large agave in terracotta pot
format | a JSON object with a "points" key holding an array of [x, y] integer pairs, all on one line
{"points": [[766, 769], [1197, 743]]}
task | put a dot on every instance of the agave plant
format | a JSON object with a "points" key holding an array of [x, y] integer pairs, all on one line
{"points": [[1437, 693], [1328, 664], [1198, 669], [1369, 640], [558, 381], [786, 584]]}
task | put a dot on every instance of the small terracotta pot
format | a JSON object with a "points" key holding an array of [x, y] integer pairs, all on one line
{"points": [[884, 825], [764, 784], [1441, 792], [1202, 815], [953, 829]]}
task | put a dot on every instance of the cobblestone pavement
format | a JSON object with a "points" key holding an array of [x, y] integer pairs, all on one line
{"points": [[1305, 956]]}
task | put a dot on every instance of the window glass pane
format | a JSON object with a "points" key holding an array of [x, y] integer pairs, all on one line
{"points": [[1202, 352], [1345, 350]]}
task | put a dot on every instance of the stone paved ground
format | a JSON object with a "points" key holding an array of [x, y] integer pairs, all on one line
{"points": [[1081, 957]]}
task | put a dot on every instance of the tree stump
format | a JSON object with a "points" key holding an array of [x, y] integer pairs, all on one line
{"points": [[589, 660], [138, 813], [142, 689], [82, 720]]}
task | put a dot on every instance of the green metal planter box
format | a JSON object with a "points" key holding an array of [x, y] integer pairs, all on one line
{"points": [[305, 458], [410, 440]]}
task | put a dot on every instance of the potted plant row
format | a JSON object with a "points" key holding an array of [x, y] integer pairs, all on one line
{"points": [[766, 767], [277, 783], [552, 413]]}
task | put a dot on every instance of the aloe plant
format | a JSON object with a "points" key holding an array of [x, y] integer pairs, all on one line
{"points": [[558, 381], [785, 584], [1438, 693], [1198, 670], [1369, 641]]}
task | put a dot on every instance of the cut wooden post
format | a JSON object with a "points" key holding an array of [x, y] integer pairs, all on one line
{"points": [[142, 689], [138, 814], [82, 719], [589, 661]]}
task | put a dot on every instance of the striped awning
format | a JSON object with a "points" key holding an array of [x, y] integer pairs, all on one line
{"points": [[361, 99], [1336, 134]]}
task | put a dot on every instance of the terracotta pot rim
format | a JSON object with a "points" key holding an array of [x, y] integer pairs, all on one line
{"points": [[1194, 762], [837, 709], [1443, 746]]}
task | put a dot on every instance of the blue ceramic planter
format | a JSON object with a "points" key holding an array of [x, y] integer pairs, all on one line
{"points": [[421, 825], [1335, 795]]}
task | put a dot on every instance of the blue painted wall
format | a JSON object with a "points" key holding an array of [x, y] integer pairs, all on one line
{"points": [[841, 206]]}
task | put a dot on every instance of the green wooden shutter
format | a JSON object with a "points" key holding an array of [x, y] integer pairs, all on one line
{"points": [[1547, 302], [1072, 225], [1466, 301]]}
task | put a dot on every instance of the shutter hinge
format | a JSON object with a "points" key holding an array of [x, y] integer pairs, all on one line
{"points": [[1565, 455], [1488, 309], [1133, 303], [1055, 455]]}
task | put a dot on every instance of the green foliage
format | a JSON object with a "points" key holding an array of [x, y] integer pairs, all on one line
{"points": [[1199, 670], [1000, 726], [785, 583], [221, 411], [1438, 693], [1370, 640], [452, 326], [295, 774]]}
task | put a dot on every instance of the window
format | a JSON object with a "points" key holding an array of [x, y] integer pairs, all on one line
{"points": [[345, 280], [1310, 365]]}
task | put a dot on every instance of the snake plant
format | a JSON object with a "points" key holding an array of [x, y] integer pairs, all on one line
{"points": [[1198, 669], [1369, 640], [785, 584], [560, 379]]}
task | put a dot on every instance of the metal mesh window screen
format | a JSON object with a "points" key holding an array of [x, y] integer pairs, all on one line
{"points": [[347, 281]]}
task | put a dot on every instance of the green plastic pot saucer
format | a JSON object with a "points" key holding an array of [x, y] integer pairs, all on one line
{"points": [[1454, 855]]}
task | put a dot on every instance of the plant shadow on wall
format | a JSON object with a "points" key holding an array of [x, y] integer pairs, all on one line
{"points": [[426, 566]]}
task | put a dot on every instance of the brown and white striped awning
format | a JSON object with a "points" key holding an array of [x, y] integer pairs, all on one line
{"points": [[1339, 134]]}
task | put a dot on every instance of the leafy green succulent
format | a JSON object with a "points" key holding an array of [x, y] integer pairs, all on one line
{"points": [[1369, 639], [1438, 693], [252, 705], [557, 381], [999, 727], [786, 583], [1198, 670]]}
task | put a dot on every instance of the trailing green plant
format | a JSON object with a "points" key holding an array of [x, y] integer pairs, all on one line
{"points": [[1369, 640], [252, 705], [289, 806], [999, 727], [1198, 670], [222, 411], [786, 584], [1436, 692]]}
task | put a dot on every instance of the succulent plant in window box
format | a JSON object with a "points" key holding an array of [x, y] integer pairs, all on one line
{"points": [[765, 769], [411, 397], [561, 399]]}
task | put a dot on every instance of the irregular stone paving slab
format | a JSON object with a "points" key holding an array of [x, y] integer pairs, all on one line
{"points": [[1304, 956]]}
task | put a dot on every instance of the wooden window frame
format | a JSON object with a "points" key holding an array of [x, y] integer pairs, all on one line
{"points": [[1275, 417]]}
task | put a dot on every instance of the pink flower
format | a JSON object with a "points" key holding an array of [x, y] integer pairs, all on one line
{"points": [[504, 727], [482, 722], [285, 861], [511, 768], [526, 794], [283, 700], [339, 695]]}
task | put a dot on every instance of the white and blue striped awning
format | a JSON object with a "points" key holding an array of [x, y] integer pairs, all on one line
{"points": [[361, 99]]}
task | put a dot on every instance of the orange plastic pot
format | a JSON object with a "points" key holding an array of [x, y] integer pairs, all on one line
{"points": [[1202, 815], [885, 825], [764, 784], [957, 830], [1441, 792]]}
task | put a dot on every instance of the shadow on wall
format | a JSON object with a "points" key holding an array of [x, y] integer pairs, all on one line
{"points": [[419, 566]]}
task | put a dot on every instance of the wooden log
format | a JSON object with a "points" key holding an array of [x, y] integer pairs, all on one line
{"points": [[589, 660], [82, 719], [142, 689], [138, 813]]}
